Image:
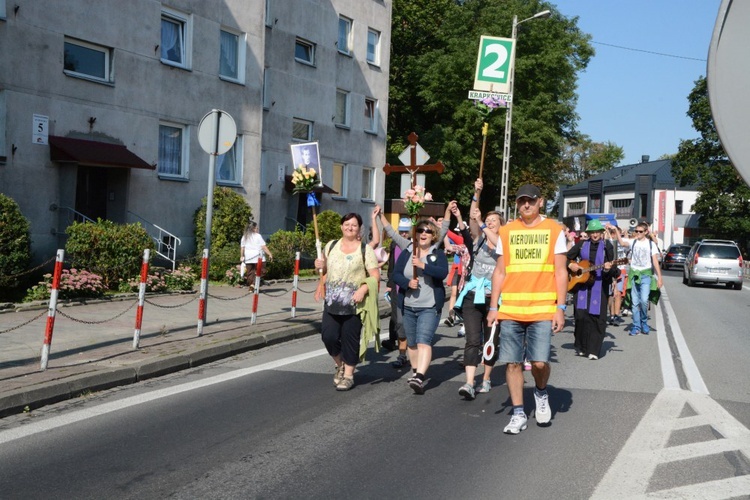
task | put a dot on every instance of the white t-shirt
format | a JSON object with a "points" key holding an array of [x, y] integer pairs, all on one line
{"points": [[641, 252], [253, 247]]}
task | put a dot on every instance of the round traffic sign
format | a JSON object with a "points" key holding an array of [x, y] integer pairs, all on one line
{"points": [[217, 132]]}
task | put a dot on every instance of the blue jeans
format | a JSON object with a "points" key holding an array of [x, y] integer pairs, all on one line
{"points": [[639, 296], [420, 325], [521, 339]]}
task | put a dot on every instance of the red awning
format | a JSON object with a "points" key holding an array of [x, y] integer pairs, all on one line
{"points": [[93, 153]]}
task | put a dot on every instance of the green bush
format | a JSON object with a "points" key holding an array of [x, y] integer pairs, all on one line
{"points": [[283, 246], [230, 216], [154, 283], [329, 228], [113, 251], [182, 278], [15, 244], [74, 284]]}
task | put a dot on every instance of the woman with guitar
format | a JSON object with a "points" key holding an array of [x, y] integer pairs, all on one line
{"points": [[592, 267]]}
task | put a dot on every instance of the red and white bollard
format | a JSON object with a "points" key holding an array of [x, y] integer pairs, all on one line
{"points": [[204, 292], [295, 282], [52, 308], [141, 299], [258, 272]]}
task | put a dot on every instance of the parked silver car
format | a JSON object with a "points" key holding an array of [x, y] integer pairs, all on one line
{"points": [[714, 261]]}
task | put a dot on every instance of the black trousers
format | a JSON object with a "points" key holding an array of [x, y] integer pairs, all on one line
{"points": [[477, 331], [589, 331]]}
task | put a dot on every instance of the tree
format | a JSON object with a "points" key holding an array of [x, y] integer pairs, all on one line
{"points": [[582, 158], [432, 69], [723, 196]]}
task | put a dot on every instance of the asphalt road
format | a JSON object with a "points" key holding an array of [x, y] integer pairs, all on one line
{"points": [[269, 424]]}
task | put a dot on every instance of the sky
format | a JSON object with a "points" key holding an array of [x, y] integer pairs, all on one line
{"points": [[636, 97]]}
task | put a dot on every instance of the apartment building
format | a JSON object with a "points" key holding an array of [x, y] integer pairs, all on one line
{"points": [[100, 104]]}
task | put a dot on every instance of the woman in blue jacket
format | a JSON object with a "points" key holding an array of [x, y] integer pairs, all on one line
{"points": [[421, 297]]}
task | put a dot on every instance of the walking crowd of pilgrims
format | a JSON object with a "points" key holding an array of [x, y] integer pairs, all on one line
{"points": [[509, 284]]}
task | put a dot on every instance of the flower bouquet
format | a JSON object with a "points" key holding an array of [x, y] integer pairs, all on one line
{"points": [[414, 200], [488, 105], [304, 179]]}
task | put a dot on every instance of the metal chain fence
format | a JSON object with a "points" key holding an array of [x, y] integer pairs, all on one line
{"points": [[96, 322], [25, 323], [9, 278], [172, 306]]}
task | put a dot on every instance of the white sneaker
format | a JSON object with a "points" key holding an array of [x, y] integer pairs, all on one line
{"points": [[517, 424], [543, 412], [462, 331]]}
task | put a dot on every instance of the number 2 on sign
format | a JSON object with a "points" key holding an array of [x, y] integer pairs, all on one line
{"points": [[492, 71]]}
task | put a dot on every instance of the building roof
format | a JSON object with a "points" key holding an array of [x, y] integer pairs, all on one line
{"points": [[625, 177]]}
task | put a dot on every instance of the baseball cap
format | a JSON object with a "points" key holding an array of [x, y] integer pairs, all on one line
{"points": [[528, 190], [404, 224]]}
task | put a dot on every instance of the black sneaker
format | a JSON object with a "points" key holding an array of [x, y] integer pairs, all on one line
{"points": [[416, 385], [449, 321]]}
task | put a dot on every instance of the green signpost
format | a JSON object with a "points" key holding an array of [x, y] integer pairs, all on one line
{"points": [[493, 64]]}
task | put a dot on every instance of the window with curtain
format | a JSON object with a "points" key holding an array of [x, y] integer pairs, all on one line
{"points": [[229, 44], [368, 184], [171, 148], [623, 209], [229, 165], [342, 108], [175, 38], [344, 43], [371, 115], [373, 46], [339, 180]]}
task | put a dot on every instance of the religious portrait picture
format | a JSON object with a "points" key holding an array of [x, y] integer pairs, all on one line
{"points": [[306, 155]]}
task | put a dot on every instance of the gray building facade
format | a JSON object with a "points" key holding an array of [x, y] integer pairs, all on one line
{"points": [[100, 105]]}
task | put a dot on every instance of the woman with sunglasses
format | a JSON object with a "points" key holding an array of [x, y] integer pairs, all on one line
{"points": [[421, 297]]}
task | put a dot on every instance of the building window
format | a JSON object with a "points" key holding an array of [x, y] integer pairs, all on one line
{"points": [[596, 204], [229, 165], [371, 115], [173, 149], [265, 95], [576, 208], [342, 108], [304, 51], [644, 206], [3, 154], [344, 42], [677, 206], [301, 130], [175, 38], [2, 9], [269, 16], [232, 55], [87, 60], [623, 209], [368, 184], [373, 46], [340, 179]]}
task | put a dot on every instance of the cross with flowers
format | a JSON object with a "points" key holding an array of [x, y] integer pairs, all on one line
{"points": [[415, 197]]}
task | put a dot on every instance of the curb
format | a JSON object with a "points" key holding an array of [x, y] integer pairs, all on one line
{"points": [[23, 400]]}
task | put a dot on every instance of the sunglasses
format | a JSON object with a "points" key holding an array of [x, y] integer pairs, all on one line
{"points": [[639, 231], [425, 230]]}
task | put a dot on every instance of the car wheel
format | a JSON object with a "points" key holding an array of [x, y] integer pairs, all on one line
{"points": [[690, 282], [684, 279], [738, 286]]}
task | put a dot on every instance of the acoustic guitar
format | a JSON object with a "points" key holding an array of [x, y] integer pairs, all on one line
{"points": [[585, 275]]}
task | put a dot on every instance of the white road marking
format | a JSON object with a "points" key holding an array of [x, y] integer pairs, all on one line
{"points": [[95, 411], [103, 409], [647, 447]]}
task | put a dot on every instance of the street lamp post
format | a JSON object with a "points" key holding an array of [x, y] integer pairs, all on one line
{"points": [[509, 115]]}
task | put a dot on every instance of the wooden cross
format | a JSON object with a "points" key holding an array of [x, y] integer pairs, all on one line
{"points": [[413, 168]]}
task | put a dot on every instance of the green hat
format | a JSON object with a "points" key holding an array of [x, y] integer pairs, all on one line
{"points": [[594, 225]]}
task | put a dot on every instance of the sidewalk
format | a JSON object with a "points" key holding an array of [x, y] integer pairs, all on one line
{"points": [[92, 344]]}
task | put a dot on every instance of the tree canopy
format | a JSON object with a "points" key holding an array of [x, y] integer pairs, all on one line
{"points": [[723, 196], [434, 47]]}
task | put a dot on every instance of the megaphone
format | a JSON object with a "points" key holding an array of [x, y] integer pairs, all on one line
{"points": [[633, 222]]}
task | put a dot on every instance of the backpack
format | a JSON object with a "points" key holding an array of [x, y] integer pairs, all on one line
{"points": [[467, 261], [333, 244]]}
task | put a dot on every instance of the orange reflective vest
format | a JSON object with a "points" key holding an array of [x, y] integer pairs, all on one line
{"points": [[529, 291]]}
